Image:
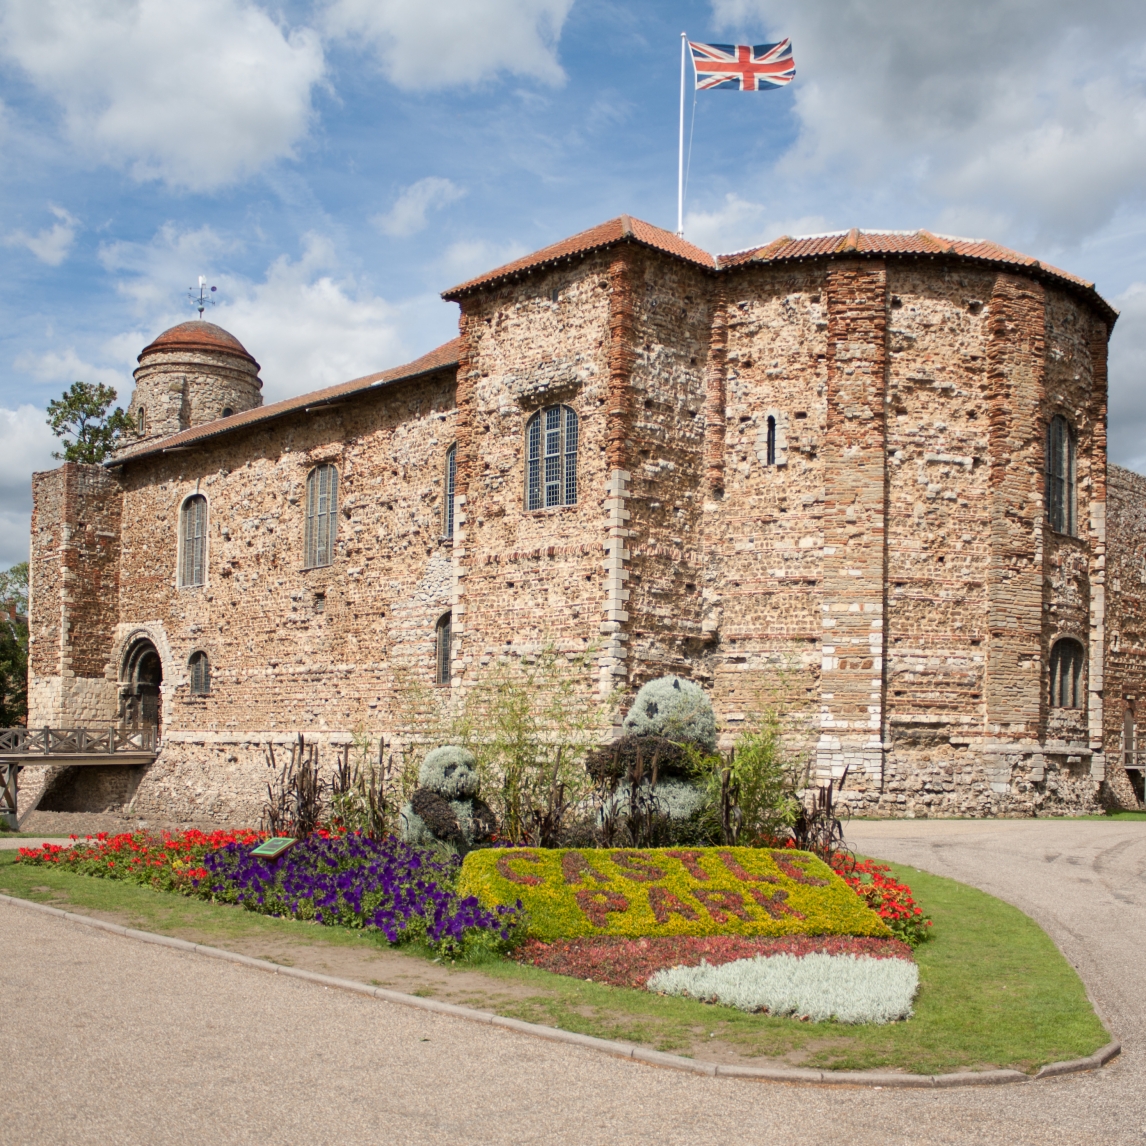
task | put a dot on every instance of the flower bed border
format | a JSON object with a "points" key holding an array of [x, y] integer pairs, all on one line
{"points": [[621, 1050]]}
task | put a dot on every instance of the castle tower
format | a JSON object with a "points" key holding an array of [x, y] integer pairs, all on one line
{"points": [[193, 373]]}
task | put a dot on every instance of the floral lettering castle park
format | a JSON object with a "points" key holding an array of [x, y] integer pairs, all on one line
{"points": [[568, 645]]}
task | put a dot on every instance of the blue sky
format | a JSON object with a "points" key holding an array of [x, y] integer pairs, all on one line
{"points": [[332, 166]]}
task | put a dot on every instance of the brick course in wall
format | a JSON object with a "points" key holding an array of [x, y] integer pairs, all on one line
{"points": [[810, 477]]}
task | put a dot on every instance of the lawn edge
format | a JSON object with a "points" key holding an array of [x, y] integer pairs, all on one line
{"points": [[602, 1046]]}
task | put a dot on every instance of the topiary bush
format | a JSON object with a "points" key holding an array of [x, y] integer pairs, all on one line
{"points": [[675, 708], [444, 810]]}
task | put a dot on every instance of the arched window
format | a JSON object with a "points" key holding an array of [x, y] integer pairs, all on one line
{"points": [[193, 541], [1066, 674], [1061, 493], [451, 484], [227, 412], [142, 420], [321, 516], [200, 674], [771, 454], [551, 458], [443, 638]]}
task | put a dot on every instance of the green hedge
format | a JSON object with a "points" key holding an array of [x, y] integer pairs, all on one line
{"points": [[669, 891]]}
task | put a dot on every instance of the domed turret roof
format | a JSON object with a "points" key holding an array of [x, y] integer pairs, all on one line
{"points": [[198, 335]]}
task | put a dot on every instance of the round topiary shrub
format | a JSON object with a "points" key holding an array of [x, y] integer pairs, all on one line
{"points": [[451, 772], [676, 709]]}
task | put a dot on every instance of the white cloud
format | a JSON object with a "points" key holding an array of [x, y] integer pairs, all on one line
{"points": [[66, 367], [172, 256], [1034, 110], [308, 322], [739, 224], [195, 94], [52, 244], [408, 215], [469, 257], [1127, 430], [26, 444], [446, 42]]}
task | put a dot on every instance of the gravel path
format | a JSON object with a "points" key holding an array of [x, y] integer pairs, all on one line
{"points": [[107, 1039]]}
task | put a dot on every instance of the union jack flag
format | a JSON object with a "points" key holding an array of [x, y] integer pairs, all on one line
{"points": [[743, 67]]}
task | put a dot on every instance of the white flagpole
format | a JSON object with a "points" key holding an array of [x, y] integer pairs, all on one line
{"points": [[680, 160]]}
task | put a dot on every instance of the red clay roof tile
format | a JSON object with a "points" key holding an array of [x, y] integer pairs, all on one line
{"points": [[623, 228], [198, 335]]}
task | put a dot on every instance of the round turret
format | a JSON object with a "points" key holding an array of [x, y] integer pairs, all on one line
{"points": [[193, 373]]}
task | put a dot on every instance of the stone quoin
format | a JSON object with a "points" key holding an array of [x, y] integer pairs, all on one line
{"points": [[859, 479]]}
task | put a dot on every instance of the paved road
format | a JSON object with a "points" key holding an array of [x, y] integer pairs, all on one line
{"points": [[104, 1039]]}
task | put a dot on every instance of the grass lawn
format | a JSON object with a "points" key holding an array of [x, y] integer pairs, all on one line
{"points": [[995, 991]]}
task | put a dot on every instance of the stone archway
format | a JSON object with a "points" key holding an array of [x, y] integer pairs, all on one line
{"points": [[140, 685]]}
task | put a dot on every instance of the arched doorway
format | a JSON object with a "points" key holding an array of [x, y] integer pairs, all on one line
{"points": [[142, 677]]}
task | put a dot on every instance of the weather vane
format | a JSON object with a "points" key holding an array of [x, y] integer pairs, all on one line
{"points": [[203, 299]]}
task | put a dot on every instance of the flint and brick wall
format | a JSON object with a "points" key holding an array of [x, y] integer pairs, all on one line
{"points": [[888, 585]]}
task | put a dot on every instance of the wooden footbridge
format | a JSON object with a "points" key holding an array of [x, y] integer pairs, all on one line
{"points": [[69, 747]]}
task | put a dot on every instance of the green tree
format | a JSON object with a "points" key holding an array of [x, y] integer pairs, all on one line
{"points": [[14, 646], [83, 413], [14, 587]]}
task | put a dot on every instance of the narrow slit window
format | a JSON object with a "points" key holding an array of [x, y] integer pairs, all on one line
{"points": [[193, 542], [771, 447], [200, 674], [443, 648], [1061, 492], [1066, 674], [551, 438], [321, 516], [451, 485]]}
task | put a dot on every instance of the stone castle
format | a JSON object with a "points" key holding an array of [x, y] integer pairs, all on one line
{"points": [[859, 479]]}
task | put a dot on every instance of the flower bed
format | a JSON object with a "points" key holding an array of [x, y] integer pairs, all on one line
{"points": [[629, 962], [699, 891], [167, 862], [847, 988], [384, 885], [891, 900]]}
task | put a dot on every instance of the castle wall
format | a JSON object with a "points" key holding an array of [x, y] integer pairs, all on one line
{"points": [[325, 651], [763, 543], [175, 389], [884, 580], [1124, 714], [73, 585]]}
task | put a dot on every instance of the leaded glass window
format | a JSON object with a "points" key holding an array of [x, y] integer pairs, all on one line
{"points": [[451, 485], [200, 674], [1066, 674], [443, 637], [321, 516], [193, 541], [1060, 485], [551, 458]]}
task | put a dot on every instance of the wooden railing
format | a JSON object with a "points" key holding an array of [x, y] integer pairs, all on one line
{"points": [[76, 741]]}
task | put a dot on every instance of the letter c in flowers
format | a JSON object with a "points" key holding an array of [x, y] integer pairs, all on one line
{"points": [[504, 869]]}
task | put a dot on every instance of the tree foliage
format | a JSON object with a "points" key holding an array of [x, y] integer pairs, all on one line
{"points": [[81, 418], [14, 587]]}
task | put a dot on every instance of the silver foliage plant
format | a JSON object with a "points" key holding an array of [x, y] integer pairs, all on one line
{"points": [[847, 988], [451, 772], [676, 709]]}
